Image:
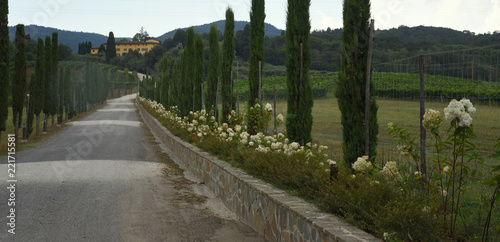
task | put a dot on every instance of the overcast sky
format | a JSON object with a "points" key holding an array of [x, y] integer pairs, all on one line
{"points": [[125, 17]]}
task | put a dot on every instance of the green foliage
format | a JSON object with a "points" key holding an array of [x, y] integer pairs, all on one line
{"points": [[199, 73], [350, 87], [54, 100], [47, 73], [299, 119], [213, 70], [165, 80], [4, 64], [110, 48], [174, 85], [226, 65], [19, 79], [84, 48], [188, 67], [31, 105], [257, 17], [38, 84]]}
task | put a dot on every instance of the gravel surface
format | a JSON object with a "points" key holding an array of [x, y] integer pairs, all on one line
{"points": [[103, 179]]}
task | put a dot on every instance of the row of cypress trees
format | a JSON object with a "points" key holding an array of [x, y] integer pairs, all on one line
{"points": [[52, 88], [184, 87]]}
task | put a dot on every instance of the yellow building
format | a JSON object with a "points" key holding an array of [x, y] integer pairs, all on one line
{"points": [[123, 47]]}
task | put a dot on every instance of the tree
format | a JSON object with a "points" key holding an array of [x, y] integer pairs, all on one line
{"points": [[38, 83], [4, 64], [180, 37], [199, 73], [60, 105], [227, 65], [298, 61], [213, 69], [164, 80], [19, 79], [110, 48], [47, 80], [257, 17], [350, 91], [141, 36], [173, 98], [31, 104], [188, 68], [54, 93]]}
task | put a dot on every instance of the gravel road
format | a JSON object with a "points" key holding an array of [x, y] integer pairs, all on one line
{"points": [[103, 179]]}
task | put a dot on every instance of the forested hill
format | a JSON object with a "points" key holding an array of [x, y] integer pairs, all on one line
{"points": [[70, 38], [270, 30], [389, 45]]}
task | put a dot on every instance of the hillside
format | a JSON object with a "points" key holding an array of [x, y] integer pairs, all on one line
{"points": [[270, 30], [70, 38]]}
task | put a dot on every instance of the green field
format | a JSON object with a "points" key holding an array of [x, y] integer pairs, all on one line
{"points": [[328, 131]]}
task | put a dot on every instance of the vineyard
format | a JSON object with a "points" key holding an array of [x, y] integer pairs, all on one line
{"points": [[388, 85]]}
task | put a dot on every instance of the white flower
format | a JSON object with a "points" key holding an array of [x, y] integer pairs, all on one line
{"points": [[417, 173], [362, 165], [250, 143], [331, 162], [468, 106], [391, 170], [237, 128], [432, 119], [295, 145], [200, 134], [244, 141], [444, 193], [280, 118], [269, 108], [465, 120]]}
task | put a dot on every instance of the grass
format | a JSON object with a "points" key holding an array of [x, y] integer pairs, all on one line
{"points": [[327, 129]]}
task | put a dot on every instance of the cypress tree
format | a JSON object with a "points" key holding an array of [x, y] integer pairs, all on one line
{"points": [[110, 48], [54, 93], [38, 91], [174, 94], [213, 69], [199, 74], [188, 66], [165, 81], [31, 104], [299, 113], [350, 91], [257, 17], [47, 82], [227, 64], [19, 79], [68, 91], [4, 64]]}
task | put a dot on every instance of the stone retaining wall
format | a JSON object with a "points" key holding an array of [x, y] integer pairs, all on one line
{"points": [[266, 209]]}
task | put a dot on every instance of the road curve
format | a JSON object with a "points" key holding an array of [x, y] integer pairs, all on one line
{"points": [[101, 180]]}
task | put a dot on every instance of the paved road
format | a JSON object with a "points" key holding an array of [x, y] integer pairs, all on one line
{"points": [[101, 180]]}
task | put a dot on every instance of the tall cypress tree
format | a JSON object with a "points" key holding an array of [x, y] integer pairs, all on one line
{"points": [[47, 82], [350, 91], [188, 66], [257, 17], [19, 79], [174, 94], [165, 81], [213, 69], [110, 47], [60, 110], [38, 92], [4, 64], [31, 104], [299, 115], [54, 93], [228, 47], [199, 74]]}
